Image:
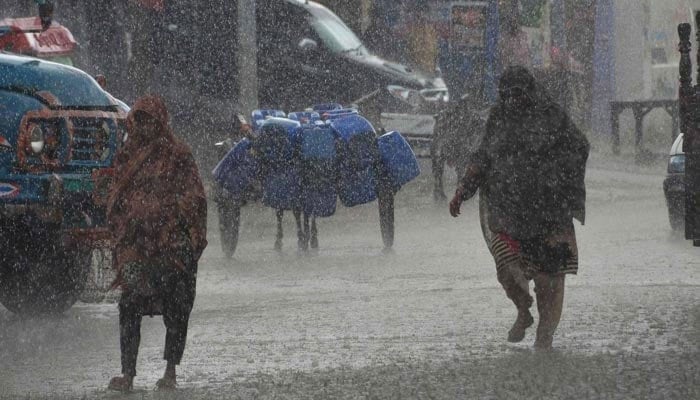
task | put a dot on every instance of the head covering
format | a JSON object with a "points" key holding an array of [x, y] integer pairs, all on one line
{"points": [[154, 106], [156, 206], [518, 77]]}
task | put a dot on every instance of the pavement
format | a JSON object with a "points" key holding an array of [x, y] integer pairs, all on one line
{"points": [[428, 321]]}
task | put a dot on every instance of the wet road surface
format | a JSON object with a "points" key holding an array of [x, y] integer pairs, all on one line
{"points": [[428, 321]]}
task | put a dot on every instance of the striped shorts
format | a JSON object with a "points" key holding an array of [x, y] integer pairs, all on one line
{"points": [[507, 252]]}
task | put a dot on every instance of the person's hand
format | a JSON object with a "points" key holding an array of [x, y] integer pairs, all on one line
{"points": [[456, 203]]}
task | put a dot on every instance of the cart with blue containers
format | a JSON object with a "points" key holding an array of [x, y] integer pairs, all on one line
{"points": [[305, 162], [371, 167], [237, 178]]}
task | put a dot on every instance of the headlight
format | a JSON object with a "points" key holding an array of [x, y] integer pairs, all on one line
{"points": [[36, 139], [676, 164]]}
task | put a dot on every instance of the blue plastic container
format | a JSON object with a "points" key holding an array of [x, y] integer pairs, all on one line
{"points": [[282, 189], [305, 117], [281, 178], [398, 158], [237, 170], [357, 160], [277, 139], [318, 167], [258, 117]]}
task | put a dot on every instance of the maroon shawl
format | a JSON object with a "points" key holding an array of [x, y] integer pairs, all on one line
{"points": [[156, 205]]}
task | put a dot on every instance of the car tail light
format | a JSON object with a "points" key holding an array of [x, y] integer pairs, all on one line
{"points": [[676, 164]]}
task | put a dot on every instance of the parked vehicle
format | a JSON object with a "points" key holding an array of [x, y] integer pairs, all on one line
{"points": [[307, 55], [674, 185], [59, 132]]}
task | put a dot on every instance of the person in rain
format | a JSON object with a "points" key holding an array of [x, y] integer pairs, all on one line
{"points": [[529, 168], [157, 212]]}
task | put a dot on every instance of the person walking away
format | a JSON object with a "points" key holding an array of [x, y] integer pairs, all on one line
{"points": [[529, 169], [157, 212]]}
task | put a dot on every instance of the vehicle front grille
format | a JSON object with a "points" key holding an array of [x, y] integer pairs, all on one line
{"points": [[93, 140]]}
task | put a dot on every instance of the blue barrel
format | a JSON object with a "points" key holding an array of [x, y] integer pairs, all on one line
{"points": [[398, 158], [318, 170], [357, 160], [275, 147], [237, 170]]}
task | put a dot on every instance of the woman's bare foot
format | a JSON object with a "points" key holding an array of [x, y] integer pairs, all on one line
{"points": [[169, 379], [543, 343], [524, 321], [121, 383], [166, 383]]}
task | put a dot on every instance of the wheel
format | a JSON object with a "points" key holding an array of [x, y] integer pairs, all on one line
{"points": [[37, 275], [676, 211], [676, 217], [229, 225]]}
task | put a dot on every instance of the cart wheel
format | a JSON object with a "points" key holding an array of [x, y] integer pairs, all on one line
{"points": [[229, 225], [386, 215]]}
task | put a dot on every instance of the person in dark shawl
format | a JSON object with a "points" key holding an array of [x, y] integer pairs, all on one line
{"points": [[156, 209], [529, 168]]}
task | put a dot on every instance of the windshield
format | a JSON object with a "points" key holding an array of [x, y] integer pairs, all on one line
{"points": [[334, 33], [70, 86]]}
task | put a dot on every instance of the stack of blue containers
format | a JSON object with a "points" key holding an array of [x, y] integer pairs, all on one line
{"points": [[306, 160]]}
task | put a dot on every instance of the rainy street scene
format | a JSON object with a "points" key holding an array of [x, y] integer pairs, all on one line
{"points": [[334, 199]]}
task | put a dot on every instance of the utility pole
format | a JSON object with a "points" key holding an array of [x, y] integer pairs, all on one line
{"points": [[247, 57]]}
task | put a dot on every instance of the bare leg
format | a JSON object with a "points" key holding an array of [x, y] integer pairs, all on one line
{"points": [[510, 276], [280, 233], [549, 290]]}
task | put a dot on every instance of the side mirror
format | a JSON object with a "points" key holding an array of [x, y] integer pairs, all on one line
{"points": [[307, 45]]}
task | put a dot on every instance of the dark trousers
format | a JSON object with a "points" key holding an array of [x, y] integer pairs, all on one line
{"points": [[174, 302]]}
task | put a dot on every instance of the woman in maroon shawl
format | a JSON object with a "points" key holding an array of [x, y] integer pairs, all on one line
{"points": [[157, 214]]}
